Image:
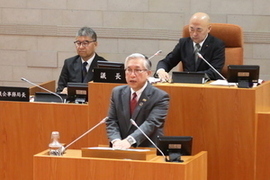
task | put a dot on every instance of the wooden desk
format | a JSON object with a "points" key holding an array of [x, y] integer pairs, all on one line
{"points": [[224, 121], [73, 166], [263, 145], [25, 129]]}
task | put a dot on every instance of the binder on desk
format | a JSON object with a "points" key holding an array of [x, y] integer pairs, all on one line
{"points": [[106, 152]]}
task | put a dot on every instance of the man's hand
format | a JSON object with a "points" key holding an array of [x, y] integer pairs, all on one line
{"points": [[121, 144], [163, 75], [64, 91]]}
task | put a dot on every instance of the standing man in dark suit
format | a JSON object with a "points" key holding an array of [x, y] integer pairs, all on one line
{"points": [[75, 68], [210, 47], [151, 107]]}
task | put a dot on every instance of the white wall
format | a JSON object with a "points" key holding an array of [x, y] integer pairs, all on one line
{"points": [[37, 35]]}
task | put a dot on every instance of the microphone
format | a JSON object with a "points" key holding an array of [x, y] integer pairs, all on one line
{"points": [[135, 124], [211, 66], [101, 122], [157, 53], [23, 79]]}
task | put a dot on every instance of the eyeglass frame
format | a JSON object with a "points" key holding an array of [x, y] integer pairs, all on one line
{"points": [[83, 44], [135, 71]]}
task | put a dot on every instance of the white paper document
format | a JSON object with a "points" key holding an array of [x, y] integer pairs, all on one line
{"points": [[221, 82], [112, 149]]}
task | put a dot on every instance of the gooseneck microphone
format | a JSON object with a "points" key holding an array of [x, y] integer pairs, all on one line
{"points": [[211, 66], [135, 124], [157, 53], [34, 84], [101, 122]]}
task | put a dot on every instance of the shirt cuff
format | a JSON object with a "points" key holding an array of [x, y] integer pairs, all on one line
{"points": [[160, 70]]}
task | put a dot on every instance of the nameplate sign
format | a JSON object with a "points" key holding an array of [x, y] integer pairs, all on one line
{"points": [[109, 75], [14, 93]]}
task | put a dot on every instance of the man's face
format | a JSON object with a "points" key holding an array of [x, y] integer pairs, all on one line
{"points": [[136, 73], [198, 30], [85, 47]]}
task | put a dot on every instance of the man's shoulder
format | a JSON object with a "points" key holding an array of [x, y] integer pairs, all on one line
{"points": [[185, 39], [160, 90], [100, 58], [214, 38], [121, 87], [153, 89], [73, 58], [76, 57], [120, 90]]}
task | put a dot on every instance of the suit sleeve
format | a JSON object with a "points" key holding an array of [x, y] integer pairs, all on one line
{"points": [[112, 127], [63, 78], [171, 60]]}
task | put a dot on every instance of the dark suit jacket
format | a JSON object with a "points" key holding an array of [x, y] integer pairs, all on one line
{"points": [[213, 50], [72, 71], [150, 114]]}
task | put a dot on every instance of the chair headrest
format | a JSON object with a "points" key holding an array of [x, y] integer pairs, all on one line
{"points": [[231, 34]]}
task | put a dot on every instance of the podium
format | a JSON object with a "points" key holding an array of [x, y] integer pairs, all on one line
{"points": [[73, 166]]}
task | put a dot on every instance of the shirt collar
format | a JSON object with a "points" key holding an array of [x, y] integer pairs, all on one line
{"points": [[89, 61], [139, 92]]}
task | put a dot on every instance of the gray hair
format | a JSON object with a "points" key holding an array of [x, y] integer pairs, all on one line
{"points": [[87, 31], [147, 62]]}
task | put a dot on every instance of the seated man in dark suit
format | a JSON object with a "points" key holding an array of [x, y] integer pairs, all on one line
{"points": [[210, 47], [80, 67], [140, 101]]}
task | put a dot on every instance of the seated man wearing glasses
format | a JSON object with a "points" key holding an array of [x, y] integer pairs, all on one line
{"points": [[140, 101], [80, 67]]}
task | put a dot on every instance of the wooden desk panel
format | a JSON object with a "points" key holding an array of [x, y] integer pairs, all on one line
{"points": [[99, 100], [73, 166], [50, 85], [26, 129], [222, 121], [263, 146]]}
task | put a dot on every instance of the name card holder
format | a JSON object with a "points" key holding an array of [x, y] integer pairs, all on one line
{"points": [[14, 93], [109, 75]]}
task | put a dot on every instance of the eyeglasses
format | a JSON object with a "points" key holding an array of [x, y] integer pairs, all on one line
{"points": [[135, 71], [84, 43]]}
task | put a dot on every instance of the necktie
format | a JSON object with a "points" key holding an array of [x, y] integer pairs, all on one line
{"points": [[196, 50], [84, 70], [133, 102]]}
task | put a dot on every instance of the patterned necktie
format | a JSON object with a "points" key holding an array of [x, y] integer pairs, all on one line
{"points": [[196, 50], [133, 102], [84, 70]]}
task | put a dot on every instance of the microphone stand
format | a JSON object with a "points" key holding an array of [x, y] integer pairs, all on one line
{"points": [[211, 66], [102, 121], [23, 79], [157, 53], [135, 124]]}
